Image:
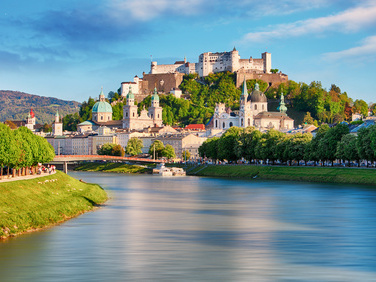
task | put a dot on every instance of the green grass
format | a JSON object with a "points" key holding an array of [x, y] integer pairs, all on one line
{"points": [[112, 167], [309, 174], [36, 203]]}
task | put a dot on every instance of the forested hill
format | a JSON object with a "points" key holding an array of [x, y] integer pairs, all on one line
{"points": [[16, 105]]}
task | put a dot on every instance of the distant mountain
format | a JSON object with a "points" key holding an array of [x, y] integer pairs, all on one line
{"points": [[16, 105]]}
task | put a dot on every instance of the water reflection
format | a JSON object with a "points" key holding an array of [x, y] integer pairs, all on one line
{"points": [[169, 229]]}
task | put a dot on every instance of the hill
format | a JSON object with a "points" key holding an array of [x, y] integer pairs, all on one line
{"points": [[16, 105]]}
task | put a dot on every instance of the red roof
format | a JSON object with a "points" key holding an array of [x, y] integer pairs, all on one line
{"points": [[32, 113], [200, 126]]}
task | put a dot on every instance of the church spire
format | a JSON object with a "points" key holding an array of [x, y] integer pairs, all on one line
{"points": [[282, 107], [245, 90], [57, 117]]}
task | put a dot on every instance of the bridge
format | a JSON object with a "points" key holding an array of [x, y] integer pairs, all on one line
{"points": [[65, 159]]}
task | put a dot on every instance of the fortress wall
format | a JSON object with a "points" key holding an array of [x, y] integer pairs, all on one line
{"points": [[273, 79], [164, 82], [159, 69]]}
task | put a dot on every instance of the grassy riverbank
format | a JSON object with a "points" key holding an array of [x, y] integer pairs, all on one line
{"points": [[112, 167], [27, 205], [308, 174]]}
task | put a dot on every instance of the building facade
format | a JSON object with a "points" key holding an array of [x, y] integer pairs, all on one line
{"points": [[209, 62], [253, 111], [133, 121]]}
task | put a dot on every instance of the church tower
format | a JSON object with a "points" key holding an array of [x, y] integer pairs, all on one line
{"points": [[57, 127], [130, 114], [245, 111], [30, 120], [155, 111], [282, 106]]}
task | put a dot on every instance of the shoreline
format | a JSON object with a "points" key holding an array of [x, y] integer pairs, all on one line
{"points": [[35, 204], [338, 175]]}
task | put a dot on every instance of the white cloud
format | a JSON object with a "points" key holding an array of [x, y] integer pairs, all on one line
{"points": [[368, 48], [283, 7], [350, 20], [145, 10]]}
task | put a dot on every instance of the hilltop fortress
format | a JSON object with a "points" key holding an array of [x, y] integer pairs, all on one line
{"points": [[168, 77], [216, 62]]}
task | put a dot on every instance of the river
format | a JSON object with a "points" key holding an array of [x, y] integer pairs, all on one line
{"points": [[205, 229]]}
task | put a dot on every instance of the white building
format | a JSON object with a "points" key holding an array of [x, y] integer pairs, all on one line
{"points": [[30, 121], [253, 111], [150, 118], [134, 86], [57, 126], [216, 62]]}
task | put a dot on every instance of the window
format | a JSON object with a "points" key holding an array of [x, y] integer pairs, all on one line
{"points": [[133, 114], [216, 123], [231, 123], [241, 122], [263, 107], [101, 117], [224, 125], [255, 107], [249, 122], [126, 114]]}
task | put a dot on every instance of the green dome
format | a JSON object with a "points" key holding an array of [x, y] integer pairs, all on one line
{"points": [[130, 94], [155, 96], [102, 107]]}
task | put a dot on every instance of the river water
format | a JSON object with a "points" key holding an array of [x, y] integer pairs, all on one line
{"points": [[205, 229]]}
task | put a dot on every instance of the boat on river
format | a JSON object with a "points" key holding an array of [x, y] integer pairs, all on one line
{"points": [[162, 170]]}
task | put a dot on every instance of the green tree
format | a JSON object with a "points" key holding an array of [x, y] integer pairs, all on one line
{"points": [[328, 144], [25, 158], [308, 119], [268, 145], [134, 146], [298, 146], [106, 149], [186, 155], [9, 151], [227, 143], [70, 122], [347, 149], [47, 128], [361, 107], [209, 148], [156, 149], [168, 152], [117, 150], [365, 143], [312, 152]]}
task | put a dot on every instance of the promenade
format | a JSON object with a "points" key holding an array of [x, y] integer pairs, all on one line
{"points": [[25, 177]]}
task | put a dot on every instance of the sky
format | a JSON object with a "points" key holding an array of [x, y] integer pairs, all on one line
{"points": [[69, 49]]}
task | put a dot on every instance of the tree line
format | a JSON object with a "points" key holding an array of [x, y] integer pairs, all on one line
{"points": [[328, 145], [21, 150]]}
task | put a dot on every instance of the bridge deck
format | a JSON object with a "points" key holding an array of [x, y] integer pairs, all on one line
{"points": [[73, 158]]}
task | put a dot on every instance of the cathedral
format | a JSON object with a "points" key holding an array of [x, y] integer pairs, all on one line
{"points": [[253, 111], [150, 118], [102, 115]]}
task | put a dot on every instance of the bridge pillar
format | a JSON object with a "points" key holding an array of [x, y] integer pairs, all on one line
{"points": [[65, 167]]}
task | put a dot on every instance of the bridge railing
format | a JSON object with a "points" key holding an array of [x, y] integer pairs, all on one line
{"points": [[102, 157]]}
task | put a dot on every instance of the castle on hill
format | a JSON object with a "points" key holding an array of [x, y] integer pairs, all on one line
{"points": [[209, 62], [167, 77]]}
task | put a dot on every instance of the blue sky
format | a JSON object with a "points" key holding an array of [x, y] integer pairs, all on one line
{"points": [[69, 49]]}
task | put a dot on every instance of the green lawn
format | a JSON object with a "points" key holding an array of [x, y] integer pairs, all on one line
{"points": [[112, 167], [310, 174], [35, 203]]}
